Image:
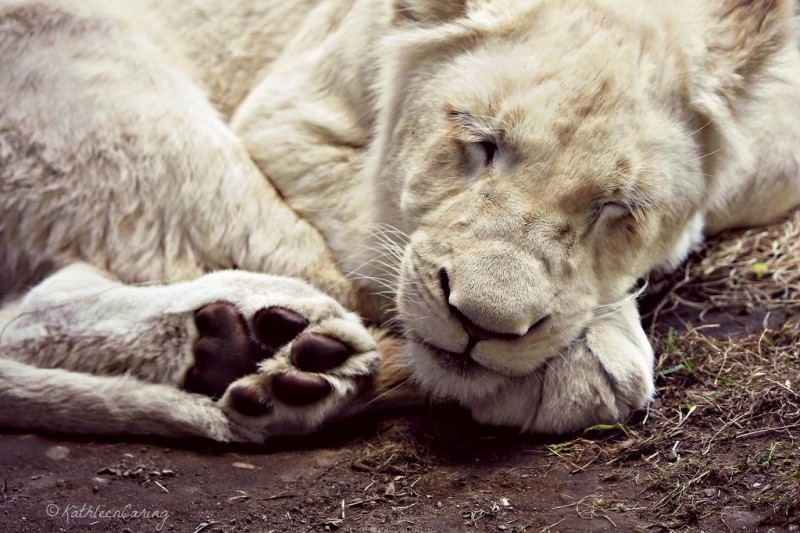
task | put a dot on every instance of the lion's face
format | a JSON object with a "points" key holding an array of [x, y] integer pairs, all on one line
{"points": [[540, 174]]}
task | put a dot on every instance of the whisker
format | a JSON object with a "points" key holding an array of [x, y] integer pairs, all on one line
{"points": [[388, 391], [604, 310]]}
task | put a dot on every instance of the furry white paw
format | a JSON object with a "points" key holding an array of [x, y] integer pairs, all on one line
{"points": [[280, 363], [272, 355], [602, 378]]}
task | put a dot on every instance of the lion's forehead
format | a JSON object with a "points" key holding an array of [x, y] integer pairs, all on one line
{"points": [[584, 129], [577, 116], [588, 44], [576, 73]]}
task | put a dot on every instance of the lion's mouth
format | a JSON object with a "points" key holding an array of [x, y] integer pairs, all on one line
{"points": [[461, 363]]}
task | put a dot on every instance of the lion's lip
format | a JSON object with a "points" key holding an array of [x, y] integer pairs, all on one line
{"points": [[461, 362]]}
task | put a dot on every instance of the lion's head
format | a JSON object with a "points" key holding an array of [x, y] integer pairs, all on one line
{"points": [[541, 157]]}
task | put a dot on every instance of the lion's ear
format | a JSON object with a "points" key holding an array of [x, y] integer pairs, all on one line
{"points": [[427, 12], [743, 39]]}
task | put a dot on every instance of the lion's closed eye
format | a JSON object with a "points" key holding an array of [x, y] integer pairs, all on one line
{"points": [[608, 211], [481, 153], [614, 210]]}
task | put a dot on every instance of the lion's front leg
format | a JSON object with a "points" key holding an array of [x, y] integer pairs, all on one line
{"points": [[601, 378], [274, 354]]}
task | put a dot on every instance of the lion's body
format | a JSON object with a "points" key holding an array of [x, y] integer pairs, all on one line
{"points": [[505, 169]]}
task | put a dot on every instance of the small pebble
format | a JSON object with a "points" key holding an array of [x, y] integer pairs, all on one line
{"points": [[57, 453], [672, 456]]}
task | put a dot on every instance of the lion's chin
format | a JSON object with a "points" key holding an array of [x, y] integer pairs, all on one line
{"points": [[448, 375]]}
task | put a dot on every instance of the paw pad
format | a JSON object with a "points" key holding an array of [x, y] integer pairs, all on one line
{"points": [[249, 402], [314, 352], [300, 388], [224, 352], [275, 327], [228, 349]]}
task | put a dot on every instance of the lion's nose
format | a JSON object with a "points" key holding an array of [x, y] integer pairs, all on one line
{"points": [[475, 331]]}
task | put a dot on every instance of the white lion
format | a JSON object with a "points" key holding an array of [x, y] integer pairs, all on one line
{"points": [[207, 194]]}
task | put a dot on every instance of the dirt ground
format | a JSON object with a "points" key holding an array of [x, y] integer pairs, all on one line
{"points": [[719, 450]]}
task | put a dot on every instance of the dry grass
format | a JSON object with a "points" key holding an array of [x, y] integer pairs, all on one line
{"points": [[757, 269], [724, 433]]}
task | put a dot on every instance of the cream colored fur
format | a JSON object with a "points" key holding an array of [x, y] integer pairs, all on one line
{"points": [[492, 176]]}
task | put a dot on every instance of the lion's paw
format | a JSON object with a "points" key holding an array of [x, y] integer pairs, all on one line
{"points": [[280, 369], [275, 355], [581, 389], [601, 378]]}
